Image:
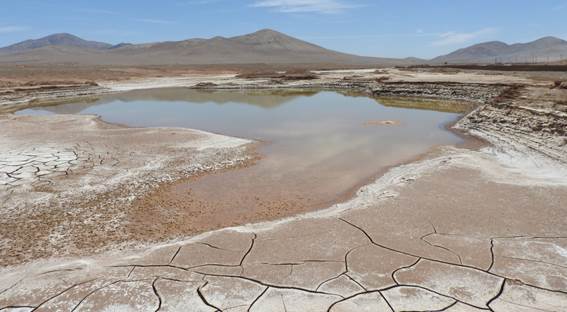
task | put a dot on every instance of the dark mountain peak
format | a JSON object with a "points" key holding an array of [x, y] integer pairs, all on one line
{"points": [[547, 42], [264, 36], [61, 36], [267, 31], [491, 44], [121, 45], [59, 39], [479, 50], [550, 39], [548, 48], [271, 39]]}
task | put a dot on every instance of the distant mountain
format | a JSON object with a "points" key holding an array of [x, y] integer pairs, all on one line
{"points": [[63, 39], [264, 46], [120, 45], [268, 39], [541, 50]]}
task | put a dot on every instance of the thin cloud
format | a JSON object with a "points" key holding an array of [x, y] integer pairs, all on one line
{"points": [[154, 21], [12, 29], [304, 6], [454, 38], [560, 7]]}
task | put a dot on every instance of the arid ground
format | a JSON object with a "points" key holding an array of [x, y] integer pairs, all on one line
{"points": [[475, 227]]}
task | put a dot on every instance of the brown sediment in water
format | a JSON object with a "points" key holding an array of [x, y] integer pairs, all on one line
{"points": [[382, 123], [231, 197], [192, 206], [218, 200]]}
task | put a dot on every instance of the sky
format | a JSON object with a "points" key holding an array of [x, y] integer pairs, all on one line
{"points": [[387, 28]]}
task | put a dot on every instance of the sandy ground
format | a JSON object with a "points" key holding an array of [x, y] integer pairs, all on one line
{"points": [[460, 230]]}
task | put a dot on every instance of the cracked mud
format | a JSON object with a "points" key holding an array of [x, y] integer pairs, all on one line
{"points": [[461, 230], [348, 259], [67, 194]]}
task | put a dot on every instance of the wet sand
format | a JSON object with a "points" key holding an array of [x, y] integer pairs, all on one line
{"points": [[198, 205]]}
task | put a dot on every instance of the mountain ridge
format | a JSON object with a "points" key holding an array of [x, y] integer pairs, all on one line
{"points": [[263, 46], [547, 48], [58, 39]]}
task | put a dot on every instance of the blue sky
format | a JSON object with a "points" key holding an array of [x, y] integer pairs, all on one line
{"points": [[393, 28]]}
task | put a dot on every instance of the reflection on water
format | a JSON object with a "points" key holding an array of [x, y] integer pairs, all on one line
{"points": [[260, 98], [319, 145]]}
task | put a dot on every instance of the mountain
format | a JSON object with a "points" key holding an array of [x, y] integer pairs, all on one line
{"points": [[271, 39], [264, 46], [63, 39], [541, 50]]}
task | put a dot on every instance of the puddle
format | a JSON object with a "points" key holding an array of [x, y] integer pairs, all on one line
{"points": [[319, 145]]}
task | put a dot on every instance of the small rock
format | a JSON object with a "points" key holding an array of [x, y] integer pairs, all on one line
{"points": [[382, 123]]}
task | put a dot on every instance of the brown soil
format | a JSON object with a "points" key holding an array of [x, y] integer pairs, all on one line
{"points": [[295, 74]]}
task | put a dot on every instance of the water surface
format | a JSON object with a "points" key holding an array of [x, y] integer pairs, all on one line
{"points": [[318, 144]]}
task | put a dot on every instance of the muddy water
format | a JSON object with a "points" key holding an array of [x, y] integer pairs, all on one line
{"points": [[319, 146]]}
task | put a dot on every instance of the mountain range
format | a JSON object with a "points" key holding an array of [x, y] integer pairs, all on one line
{"points": [[264, 46], [546, 49]]}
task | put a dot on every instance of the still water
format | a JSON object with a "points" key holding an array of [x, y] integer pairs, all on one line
{"points": [[318, 146]]}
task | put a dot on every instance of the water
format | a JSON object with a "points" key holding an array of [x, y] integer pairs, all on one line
{"points": [[318, 146]]}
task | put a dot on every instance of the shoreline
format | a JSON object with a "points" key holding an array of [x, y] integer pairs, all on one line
{"points": [[345, 196], [469, 141], [385, 188], [454, 228], [94, 169]]}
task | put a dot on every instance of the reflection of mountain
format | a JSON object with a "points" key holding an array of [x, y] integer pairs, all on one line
{"points": [[74, 106], [446, 106], [260, 98]]}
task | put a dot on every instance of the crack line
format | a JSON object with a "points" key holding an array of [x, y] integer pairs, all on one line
{"points": [[269, 285], [258, 298], [387, 302], [497, 295], [403, 268], [249, 249], [175, 254], [491, 254], [157, 294], [200, 294], [61, 293]]}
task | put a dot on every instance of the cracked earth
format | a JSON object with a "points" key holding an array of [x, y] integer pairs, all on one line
{"points": [[396, 246], [26, 166], [461, 230], [67, 181]]}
